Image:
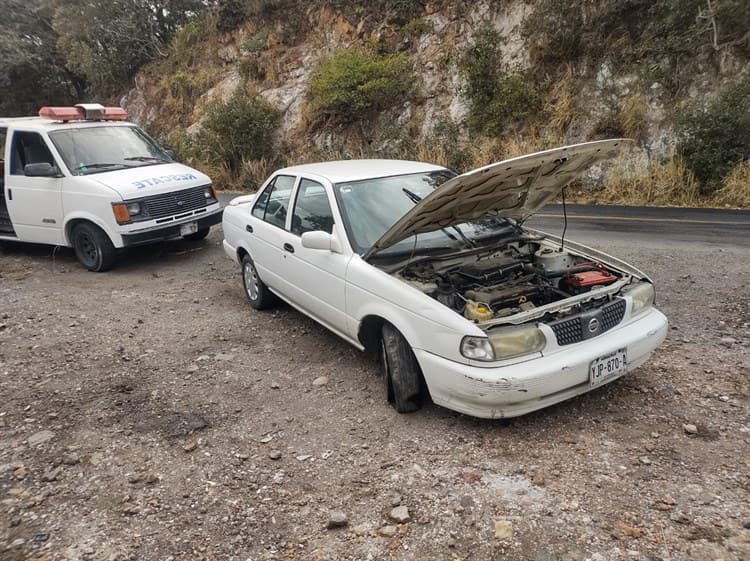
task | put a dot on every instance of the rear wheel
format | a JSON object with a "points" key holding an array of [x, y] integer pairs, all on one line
{"points": [[256, 291], [93, 248], [401, 374], [197, 236]]}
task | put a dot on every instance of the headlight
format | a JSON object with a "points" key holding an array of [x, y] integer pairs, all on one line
{"points": [[642, 295], [210, 193], [134, 208], [477, 348], [510, 342]]}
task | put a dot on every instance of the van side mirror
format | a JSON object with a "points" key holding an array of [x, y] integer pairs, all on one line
{"points": [[172, 154], [41, 169]]}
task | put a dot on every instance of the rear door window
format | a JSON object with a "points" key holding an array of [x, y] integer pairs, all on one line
{"points": [[273, 202]]}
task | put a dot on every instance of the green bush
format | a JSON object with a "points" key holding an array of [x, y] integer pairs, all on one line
{"points": [[715, 138], [249, 68], [230, 15], [255, 44], [352, 86], [497, 98], [242, 128], [403, 11]]}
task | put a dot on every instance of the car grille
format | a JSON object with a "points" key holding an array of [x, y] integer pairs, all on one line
{"points": [[576, 329], [568, 331], [178, 202]]}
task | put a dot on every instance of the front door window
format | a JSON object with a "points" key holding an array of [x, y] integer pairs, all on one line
{"points": [[29, 148], [312, 210]]}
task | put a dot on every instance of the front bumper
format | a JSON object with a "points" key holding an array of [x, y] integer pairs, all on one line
{"points": [[510, 391], [170, 231]]}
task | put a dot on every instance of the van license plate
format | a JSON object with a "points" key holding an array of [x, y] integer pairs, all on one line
{"points": [[605, 368], [189, 228]]}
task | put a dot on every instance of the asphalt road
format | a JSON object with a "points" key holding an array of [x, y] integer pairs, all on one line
{"points": [[651, 226], [645, 226]]}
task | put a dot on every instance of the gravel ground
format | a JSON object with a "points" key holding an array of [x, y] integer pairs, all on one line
{"points": [[149, 414]]}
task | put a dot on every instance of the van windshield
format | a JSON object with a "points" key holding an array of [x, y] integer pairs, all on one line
{"points": [[99, 149]]}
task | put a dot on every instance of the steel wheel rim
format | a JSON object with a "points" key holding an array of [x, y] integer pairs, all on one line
{"points": [[251, 281], [88, 249]]}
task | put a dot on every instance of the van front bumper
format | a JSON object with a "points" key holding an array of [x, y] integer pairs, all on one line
{"points": [[170, 230], [517, 389]]}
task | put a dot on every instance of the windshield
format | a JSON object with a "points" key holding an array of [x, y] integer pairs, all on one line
{"points": [[99, 149], [371, 206]]}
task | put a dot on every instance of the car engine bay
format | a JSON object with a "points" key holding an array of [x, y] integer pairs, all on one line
{"points": [[522, 275]]}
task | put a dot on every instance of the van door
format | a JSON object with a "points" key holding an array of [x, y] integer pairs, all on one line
{"points": [[6, 227], [34, 200]]}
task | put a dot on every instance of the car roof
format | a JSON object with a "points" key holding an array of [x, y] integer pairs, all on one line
{"points": [[356, 170], [40, 124]]}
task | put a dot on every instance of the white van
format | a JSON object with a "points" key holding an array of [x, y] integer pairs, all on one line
{"points": [[82, 177]]}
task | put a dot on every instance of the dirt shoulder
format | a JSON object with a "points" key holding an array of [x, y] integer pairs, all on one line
{"points": [[149, 414]]}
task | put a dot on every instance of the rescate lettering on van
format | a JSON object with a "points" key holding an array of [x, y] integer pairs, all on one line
{"points": [[151, 181]]}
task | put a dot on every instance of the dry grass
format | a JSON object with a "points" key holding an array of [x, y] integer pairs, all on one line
{"points": [[255, 172], [735, 190], [633, 115], [433, 153], [560, 106], [660, 184]]}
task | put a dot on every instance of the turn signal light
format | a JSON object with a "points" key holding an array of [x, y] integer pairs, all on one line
{"points": [[122, 215]]}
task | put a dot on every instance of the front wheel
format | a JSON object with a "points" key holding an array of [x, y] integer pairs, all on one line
{"points": [[400, 369], [256, 291], [93, 248], [197, 236]]}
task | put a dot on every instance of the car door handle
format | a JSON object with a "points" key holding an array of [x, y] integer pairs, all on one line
{"points": [[249, 228], [289, 247]]}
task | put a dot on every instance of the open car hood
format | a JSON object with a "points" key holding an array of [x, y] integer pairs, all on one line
{"points": [[514, 188]]}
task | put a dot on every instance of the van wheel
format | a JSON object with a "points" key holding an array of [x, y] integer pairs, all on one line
{"points": [[93, 247], [400, 370], [256, 291], [197, 236]]}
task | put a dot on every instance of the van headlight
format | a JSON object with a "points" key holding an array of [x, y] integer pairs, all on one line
{"points": [[504, 343], [135, 209], [642, 295]]}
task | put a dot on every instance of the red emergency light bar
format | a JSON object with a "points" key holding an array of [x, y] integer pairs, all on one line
{"points": [[62, 113], [84, 112]]}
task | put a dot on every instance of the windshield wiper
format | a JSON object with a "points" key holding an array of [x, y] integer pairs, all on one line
{"points": [[84, 167], [145, 159], [416, 199]]}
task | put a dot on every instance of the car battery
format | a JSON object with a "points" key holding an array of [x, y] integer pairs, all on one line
{"points": [[582, 277]]}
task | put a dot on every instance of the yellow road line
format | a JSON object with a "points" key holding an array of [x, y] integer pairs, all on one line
{"points": [[635, 219]]}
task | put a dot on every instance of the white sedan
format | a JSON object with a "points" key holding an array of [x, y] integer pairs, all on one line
{"points": [[436, 274]]}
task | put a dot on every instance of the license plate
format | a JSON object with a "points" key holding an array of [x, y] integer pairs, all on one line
{"points": [[605, 368], [189, 228]]}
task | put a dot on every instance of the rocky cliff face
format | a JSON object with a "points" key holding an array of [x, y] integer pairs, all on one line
{"points": [[587, 98]]}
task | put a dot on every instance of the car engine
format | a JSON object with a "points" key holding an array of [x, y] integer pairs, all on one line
{"points": [[518, 277]]}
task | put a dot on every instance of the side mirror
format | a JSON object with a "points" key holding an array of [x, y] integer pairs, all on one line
{"points": [[317, 239], [171, 154], [42, 169]]}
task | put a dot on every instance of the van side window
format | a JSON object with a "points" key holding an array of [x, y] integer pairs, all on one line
{"points": [[28, 148], [273, 202]]}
